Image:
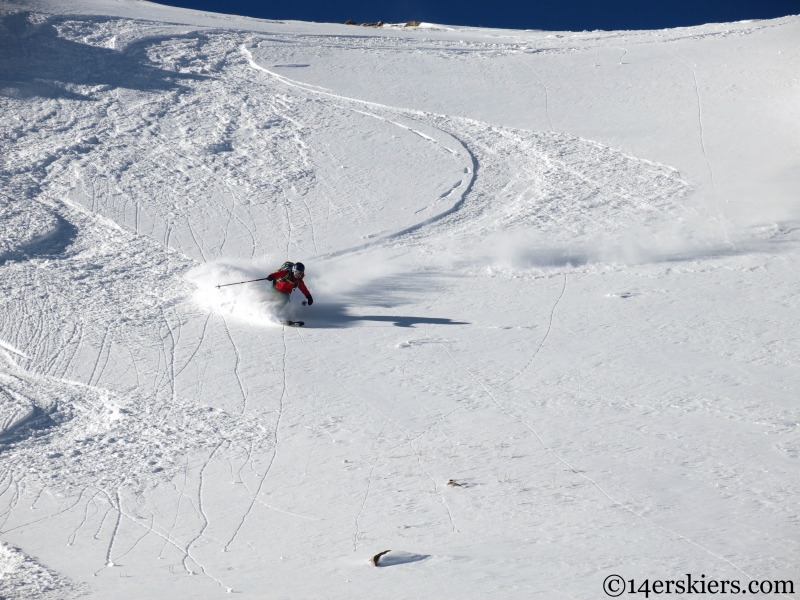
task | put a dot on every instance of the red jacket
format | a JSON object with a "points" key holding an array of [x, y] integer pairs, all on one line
{"points": [[284, 281]]}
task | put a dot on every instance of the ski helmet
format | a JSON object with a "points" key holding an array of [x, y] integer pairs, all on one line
{"points": [[299, 269]]}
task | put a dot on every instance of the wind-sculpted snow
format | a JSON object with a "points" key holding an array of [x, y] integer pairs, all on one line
{"points": [[521, 370]]}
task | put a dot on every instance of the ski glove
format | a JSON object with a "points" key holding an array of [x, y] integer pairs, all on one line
{"points": [[271, 277], [310, 300]]}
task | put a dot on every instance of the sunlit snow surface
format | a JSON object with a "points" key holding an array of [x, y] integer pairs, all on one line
{"points": [[559, 269]]}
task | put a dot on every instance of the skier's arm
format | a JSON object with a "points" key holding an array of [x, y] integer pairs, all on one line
{"points": [[275, 275], [306, 293]]}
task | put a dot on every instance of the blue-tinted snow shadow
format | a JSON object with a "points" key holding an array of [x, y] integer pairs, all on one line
{"points": [[336, 314], [38, 419], [56, 242], [400, 558], [390, 293], [35, 61], [50, 245]]}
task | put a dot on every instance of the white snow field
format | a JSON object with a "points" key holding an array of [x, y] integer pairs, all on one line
{"points": [[561, 270]]}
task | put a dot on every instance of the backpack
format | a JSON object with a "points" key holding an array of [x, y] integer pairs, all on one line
{"points": [[287, 266]]}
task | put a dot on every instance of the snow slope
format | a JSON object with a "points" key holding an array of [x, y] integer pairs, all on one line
{"points": [[559, 269]]}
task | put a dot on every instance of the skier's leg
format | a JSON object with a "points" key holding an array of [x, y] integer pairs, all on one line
{"points": [[277, 301]]}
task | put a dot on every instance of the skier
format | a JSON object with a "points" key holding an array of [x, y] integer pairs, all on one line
{"points": [[288, 277]]}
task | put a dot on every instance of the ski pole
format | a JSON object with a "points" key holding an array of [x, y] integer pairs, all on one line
{"points": [[241, 282]]}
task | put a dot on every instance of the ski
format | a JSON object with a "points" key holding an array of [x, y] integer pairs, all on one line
{"points": [[293, 323]]}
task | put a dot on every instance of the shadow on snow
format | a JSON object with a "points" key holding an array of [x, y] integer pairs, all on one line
{"points": [[51, 245], [388, 292], [335, 314], [401, 558], [35, 61]]}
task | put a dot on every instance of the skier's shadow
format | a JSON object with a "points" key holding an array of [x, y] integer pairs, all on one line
{"points": [[334, 314]]}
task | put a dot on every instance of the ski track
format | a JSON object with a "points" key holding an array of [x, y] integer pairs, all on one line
{"points": [[204, 526], [546, 97], [544, 338], [236, 366], [703, 140], [273, 455], [117, 507]]}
